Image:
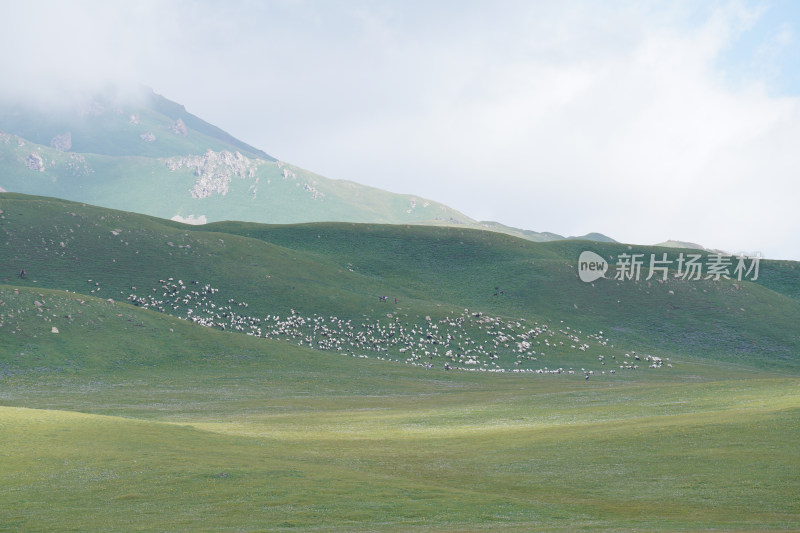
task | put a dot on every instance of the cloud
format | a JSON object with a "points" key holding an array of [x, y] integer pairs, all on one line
{"points": [[560, 123], [57, 53], [642, 121]]}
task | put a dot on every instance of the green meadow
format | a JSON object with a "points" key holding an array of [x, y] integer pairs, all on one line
{"points": [[120, 416], [270, 438]]}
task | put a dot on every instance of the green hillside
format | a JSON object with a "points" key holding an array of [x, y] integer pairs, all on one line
{"points": [[146, 154], [214, 185], [446, 274], [680, 244], [127, 419], [120, 411]]}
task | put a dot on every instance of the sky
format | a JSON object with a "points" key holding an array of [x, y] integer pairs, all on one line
{"points": [[645, 121]]}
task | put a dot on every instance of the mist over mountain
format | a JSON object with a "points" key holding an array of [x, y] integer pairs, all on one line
{"points": [[102, 123], [133, 149]]}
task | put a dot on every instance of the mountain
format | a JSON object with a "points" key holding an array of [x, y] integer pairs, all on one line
{"points": [[536, 236], [141, 152], [594, 236], [137, 122], [681, 244]]}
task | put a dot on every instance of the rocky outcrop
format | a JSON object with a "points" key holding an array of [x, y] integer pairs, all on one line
{"points": [[307, 187], [214, 171], [62, 142], [253, 190], [35, 162], [315, 194], [78, 166], [179, 128], [148, 137]]}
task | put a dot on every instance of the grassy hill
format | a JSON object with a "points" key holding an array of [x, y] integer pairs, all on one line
{"points": [[536, 236], [130, 419], [447, 274], [680, 244], [119, 411]]}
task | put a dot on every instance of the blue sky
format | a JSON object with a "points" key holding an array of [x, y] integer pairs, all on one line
{"points": [[767, 49], [645, 121]]}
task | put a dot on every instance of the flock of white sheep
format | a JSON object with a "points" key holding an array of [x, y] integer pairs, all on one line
{"points": [[465, 341]]}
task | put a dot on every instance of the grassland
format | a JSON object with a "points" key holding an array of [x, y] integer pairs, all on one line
{"points": [[251, 434], [127, 418]]}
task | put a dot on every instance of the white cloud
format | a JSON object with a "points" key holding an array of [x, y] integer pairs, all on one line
{"points": [[566, 117], [639, 137]]}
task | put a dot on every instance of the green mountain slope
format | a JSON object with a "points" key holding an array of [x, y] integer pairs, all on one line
{"points": [[207, 187], [116, 414], [680, 244], [448, 274], [147, 154], [536, 236]]}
